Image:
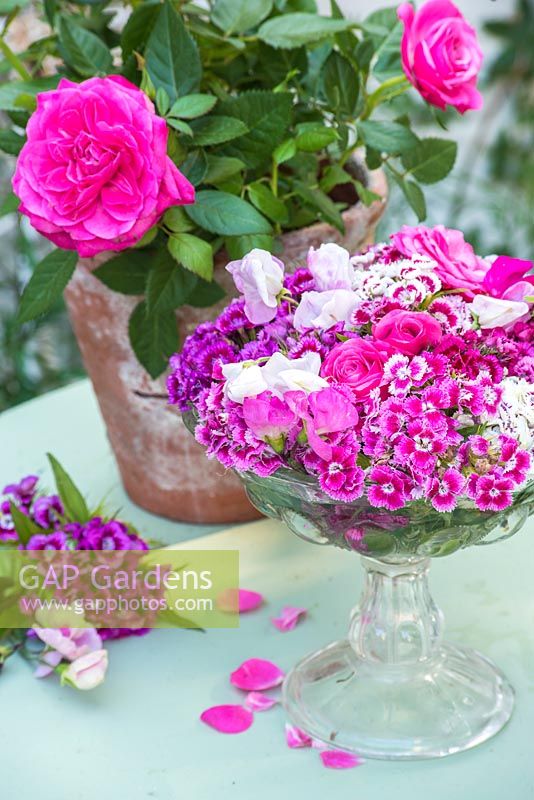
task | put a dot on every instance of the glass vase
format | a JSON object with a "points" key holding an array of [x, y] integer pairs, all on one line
{"points": [[393, 689]]}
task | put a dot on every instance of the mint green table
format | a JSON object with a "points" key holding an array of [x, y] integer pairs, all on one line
{"points": [[138, 735]]}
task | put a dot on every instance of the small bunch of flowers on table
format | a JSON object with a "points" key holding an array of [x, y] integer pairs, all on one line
{"points": [[402, 373]]}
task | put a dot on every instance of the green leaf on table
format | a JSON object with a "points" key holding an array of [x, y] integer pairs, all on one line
{"points": [[341, 84], [73, 501], [172, 57], [11, 142], [220, 168], [194, 253], [16, 95], [177, 221], [192, 105], [82, 50], [24, 526], [153, 337], [126, 273], [267, 116], [238, 16], [387, 137], [205, 294], [314, 136], [217, 129], [266, 202], [293, 30], [327, 209], [431, 160], [139, 27], [285, 151], [195, 167], [226, 214], [46, 284], [169, 284], [238, 246]]}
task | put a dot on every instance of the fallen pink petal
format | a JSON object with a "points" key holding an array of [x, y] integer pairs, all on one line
{"points": [[295, 737], [256, 674], [228, 718], [239, 600], [337, 759], [288, 618], [256, 701]]}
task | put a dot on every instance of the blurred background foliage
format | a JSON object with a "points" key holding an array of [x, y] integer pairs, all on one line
{"points": [[490, 195]]}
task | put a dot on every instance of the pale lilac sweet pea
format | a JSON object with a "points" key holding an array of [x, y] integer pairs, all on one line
{"points": [[330, 267], [495, 312], [67, 643], [86, 672], [323, 310], [259, 277]]}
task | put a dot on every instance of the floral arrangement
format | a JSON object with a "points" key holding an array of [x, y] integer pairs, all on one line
{"points": [[32, 520], [188, 130], [402, 373]]}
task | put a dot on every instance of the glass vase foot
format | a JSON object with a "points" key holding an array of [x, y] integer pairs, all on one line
{"points": [[454, 702]]}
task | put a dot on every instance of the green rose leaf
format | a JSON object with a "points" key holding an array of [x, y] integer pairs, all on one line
{"points": [[341, 84], [206, 294], [19, 94], [126, 273], [195, 167], [216, 130], [153, 337], [9, 204], [293, 30], [266, 202], [220, 168], [226, 214], [139, 27], [180, 126], [177, 221], [238, 16], [267, 116], [323, 204], [11, 142], [238, 246], [387, 137], [431, 160], [46, 285], [169, 285], [172, 57], [313, 136], [83, 50], [71, 497], [285, 151], [192, 105], [194, 253], [413, 194]]}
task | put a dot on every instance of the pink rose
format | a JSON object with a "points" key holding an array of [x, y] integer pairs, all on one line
{"points": [[507, 278], [440, 54], [259, 276], [458, 266], [408, 332], [357, 364], [94, 174]]}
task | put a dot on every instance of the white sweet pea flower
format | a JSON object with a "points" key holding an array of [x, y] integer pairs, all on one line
{"points": [[244, 379], [495, 312], [299, 374], [330, 266], [259, 276], [322, 310]]}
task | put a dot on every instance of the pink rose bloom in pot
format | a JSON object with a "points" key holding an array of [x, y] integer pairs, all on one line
{"points": [[458, 266], [94, 174], [440, 54], [357, 364], [408, 332]]}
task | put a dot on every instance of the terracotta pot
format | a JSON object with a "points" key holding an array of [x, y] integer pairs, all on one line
{"points": [[163, 469]]}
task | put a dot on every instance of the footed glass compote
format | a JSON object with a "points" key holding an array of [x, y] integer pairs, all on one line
{"points": [[393, 688]]}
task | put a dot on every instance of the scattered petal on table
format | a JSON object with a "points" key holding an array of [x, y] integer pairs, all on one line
{"points": [[295, 737], [242, 600], [257, 701], [288, 618], [228, 718], [256, 673], [338, 759]]}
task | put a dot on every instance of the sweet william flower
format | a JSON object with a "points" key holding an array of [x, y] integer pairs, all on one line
{"points": [[440, 54], [94, 174], [259, 276], [330, 266], [86, 672]]}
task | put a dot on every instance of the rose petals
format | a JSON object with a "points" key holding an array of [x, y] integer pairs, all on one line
{"points": [[228, 718], [295, 737], [288, 618], [256, 673], [338, 759], [256, 701], [242, 600]]}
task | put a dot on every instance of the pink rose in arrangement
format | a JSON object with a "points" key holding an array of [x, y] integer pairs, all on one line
{"points": [[408, 332], [94, 174], [457, 264], [259, 276], [357, 364], [440, 54]]}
